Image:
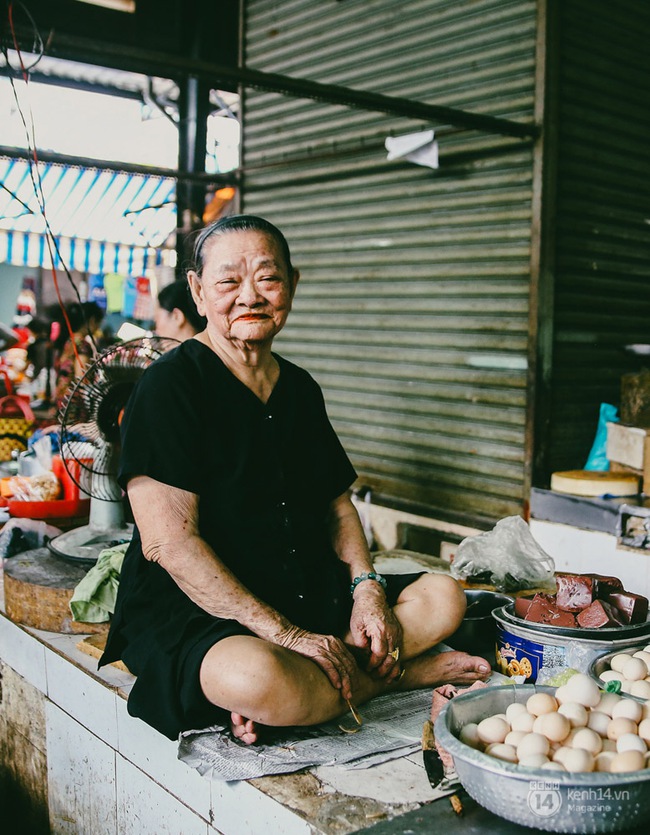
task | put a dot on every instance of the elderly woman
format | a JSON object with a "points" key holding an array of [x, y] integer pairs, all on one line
{"points": [[248, 593], [176, 316]]}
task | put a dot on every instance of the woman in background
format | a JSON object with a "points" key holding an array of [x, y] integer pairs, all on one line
{"points": [[75, 353], [176, 315]]}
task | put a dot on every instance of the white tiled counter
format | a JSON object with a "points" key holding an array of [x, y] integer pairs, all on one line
{"points": [[93, 769]]}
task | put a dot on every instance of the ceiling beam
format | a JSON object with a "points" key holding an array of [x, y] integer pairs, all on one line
{"points": [[227, 77], [227, 179]]}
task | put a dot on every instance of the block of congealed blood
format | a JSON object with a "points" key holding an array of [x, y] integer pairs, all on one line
{"points": [[605, 585], [632, 608], [575, 592], [522, 605], [543, 610], [600, 613]]}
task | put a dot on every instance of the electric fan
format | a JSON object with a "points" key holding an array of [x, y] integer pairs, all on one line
{"points": [[89, 435]]}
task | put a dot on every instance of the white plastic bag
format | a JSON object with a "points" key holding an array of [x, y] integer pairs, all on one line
{"points": [[507, 557]]}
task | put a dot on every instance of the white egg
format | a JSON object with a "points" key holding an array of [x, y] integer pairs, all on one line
{"points": [[603, 760], [587, 739], [583, 689], [644, 730], [627, 761], [611, 675], [578, 759], [619, 726], [628, 709], [514, 738], [552, 765], [640, 689], [560, 754], [645, 708], [534, 761], [502, 716], [607, 702], [532, 743], [514, 709], [523, 722], [598, 722], [554, 726], [469, 735], [492, 729], [575, 713], [618, 661], [537, 724], [644, 656], [540, 703], [630, 742], [646, 649], [634, 669], [562, 694], [503, 752], [626, 686]]}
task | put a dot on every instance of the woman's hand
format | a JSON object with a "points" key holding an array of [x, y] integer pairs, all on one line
{"points": [[328, 652], [376, 631]]}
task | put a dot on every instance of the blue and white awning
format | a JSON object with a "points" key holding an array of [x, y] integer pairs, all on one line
{"points": [[100, 220]]}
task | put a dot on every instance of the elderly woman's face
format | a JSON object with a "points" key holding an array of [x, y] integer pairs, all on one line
{"points": [[245, 290]]}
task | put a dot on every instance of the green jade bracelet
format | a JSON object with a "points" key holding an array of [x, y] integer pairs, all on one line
{"points": [[367, 575]]}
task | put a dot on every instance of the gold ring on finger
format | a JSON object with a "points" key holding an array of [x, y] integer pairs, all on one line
{"points": [[395, 654]]}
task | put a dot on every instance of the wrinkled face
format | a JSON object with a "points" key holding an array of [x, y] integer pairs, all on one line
{"points": [[245, 290]]}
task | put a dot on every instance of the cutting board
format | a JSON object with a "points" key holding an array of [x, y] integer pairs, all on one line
{"points": [[94, 645], [595, 483], [38, 588]]}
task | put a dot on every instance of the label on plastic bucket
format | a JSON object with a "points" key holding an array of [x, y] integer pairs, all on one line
{"points": [[520, 656]]}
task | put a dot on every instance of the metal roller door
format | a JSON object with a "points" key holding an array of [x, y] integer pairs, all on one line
{"points": [[602, 286], [413, 308]]}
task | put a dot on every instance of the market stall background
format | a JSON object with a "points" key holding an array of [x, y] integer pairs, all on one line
{"points": [[465, 321]]}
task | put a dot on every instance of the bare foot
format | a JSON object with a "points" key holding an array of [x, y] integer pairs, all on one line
{"points": [[444, 668], [244, 729]]}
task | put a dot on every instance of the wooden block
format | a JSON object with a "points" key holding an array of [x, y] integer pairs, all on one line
{"points": [[94, 645], [627, 445], [38, 588]]}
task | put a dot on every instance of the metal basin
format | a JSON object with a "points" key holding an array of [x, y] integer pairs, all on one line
{"points": [[602, 663], [545, 800]]}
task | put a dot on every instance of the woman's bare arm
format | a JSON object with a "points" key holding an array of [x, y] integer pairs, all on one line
{"points": [[167, 519], [373, 625]]}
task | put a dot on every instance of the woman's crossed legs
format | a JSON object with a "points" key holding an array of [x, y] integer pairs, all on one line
{"points": [[262, 683]]}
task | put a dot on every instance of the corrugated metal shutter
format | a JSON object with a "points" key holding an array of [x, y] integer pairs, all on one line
{"points": [[413, 308], [602, 291]]}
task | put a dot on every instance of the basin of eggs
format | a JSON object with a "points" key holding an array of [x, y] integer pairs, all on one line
{"points": [[633, 671], [578, 729]]}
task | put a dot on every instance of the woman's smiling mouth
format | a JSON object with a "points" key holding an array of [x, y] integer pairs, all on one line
{"points": [[251, 317]]}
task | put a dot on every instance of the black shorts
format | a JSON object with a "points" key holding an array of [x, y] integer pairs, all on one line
{"points": [[197, 711]]}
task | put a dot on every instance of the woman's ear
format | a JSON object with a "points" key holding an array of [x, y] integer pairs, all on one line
{"points": [[295, 278], [178, 317], [196, 289]]}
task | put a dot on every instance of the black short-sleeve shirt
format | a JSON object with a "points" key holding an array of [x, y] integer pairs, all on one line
{"points": [[265, 475]]}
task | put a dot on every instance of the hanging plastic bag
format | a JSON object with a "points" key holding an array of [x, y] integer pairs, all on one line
{"points": [[507, 557], [597, 459]]}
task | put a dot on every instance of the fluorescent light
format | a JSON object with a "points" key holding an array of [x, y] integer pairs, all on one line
{"points": [[118, 5]]}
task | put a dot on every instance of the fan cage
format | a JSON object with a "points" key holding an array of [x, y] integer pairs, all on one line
{"points": [[90, 416]]}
